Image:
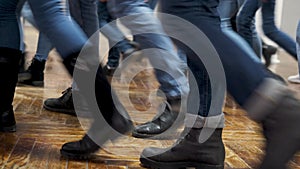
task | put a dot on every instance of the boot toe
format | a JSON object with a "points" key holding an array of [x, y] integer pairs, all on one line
{"points": [[71, 147], [149, 128], [150, 152], [53, 104]]}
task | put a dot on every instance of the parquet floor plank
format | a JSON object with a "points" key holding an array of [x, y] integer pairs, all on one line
{"points": [[41, 133]]}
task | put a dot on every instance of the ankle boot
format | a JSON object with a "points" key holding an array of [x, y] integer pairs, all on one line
{"points": [[162, 122], [79, 149], [188, 151], [9, 65], [268, 51], [7, 121], [110, 124], [22, 76], [36, 72], [277, 109], [63, 104]]}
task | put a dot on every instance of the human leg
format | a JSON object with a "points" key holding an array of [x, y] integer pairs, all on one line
{"points": [[246, 24]]}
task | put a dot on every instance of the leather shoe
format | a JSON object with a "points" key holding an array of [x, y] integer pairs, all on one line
{"points": [[162, 122]]}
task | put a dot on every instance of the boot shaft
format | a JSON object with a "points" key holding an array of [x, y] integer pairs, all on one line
{"points": [[9, 64], [212, 150], [188, 152], [37, 70]]}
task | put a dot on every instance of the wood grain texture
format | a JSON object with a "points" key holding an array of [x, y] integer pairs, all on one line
{"points": [[41, 133]]}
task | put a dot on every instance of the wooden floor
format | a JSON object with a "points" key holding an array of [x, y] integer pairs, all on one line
{"points": [[40, 133]]}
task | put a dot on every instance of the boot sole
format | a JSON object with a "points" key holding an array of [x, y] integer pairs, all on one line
{"points": [[75, 156], [145, 162], [165, 136], [8, 129], [65, 111]]}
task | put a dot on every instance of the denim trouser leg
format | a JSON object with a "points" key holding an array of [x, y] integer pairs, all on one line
{"points": [[84, 12], [89, 16], [44, 47], [152, 4], [298, 44], [141, 22], [27, 14], [110, 31], [9, 27], [272, 32], [227, 9], [243, 74], [204, 86], [63, 34], [75, 12], [246, 24]]}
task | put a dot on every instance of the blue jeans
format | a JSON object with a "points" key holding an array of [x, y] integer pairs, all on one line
{"points": [[84, 12], [273, 33], [141, 21], [64, 35], [246, 25], [152, 3], [9, 25], [44, 45], [110, 31], [227, 9], [243, 74]]}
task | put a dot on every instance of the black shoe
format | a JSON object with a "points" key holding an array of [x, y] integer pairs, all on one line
{"points": [[281, 129], [267, 52], [80, 150], [114, 119], [97, 135], [187, 152], [277, 109], [7, 121], [162, 122], [36, 73], [63, 104]]}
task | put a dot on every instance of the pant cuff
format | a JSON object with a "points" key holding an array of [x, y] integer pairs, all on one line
{"points": [[197, 121]]}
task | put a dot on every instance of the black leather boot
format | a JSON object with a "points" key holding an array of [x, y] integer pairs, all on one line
{"points": [[188, 151], [36, 72], [110, 124], [81, 149], [7, 121], [268, 51], [281, 129], [275, 106], [162, 121], [63, 104], [9, 66]]}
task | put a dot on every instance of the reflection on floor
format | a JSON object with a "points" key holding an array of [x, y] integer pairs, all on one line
{"points": [[40, 133]]}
